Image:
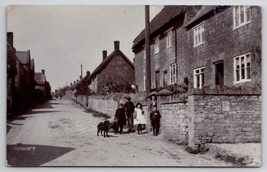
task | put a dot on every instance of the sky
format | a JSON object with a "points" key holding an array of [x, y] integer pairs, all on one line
{"points": [[61, 38]]}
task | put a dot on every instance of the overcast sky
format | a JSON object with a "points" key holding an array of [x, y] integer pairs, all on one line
{"points": [[61, 38]]}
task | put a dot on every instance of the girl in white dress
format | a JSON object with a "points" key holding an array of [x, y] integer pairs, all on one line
{"points": [[139, 117]]}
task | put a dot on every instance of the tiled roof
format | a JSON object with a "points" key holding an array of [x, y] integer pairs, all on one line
{"points": [[162, 18], [203, 11], [39, 78], [23, 56]]}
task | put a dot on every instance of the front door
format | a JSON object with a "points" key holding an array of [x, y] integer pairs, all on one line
{"points": [[219, 73]]}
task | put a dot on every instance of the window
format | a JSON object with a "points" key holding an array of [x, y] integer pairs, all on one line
{"points": [[144, 82], [199, 78], [156, 46], [157, 79], [198, 35], [242, 72], [173, 73], [242, 15], [169, 39], [165, 81]]}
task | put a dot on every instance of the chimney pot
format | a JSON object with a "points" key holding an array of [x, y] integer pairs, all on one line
{"points": [[10, 38], [43, 71], [88, 73], [104, 52], [116, 45]]}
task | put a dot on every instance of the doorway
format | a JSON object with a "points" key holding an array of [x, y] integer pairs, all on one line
{"points": [[219, 73]]}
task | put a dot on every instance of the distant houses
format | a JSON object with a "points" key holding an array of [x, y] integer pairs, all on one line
{"points": [[115, 74], [21, 83]]}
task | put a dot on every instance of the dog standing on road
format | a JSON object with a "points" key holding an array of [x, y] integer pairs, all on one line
{"points": [[103, 126]]}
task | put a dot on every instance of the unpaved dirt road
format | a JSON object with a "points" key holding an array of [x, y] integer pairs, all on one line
{"points": [[61, 133]]}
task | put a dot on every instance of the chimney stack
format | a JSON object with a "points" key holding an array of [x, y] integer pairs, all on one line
{"points": [[104, 52], [116, 45], [10, 38], [43, 71], [88, 73]]}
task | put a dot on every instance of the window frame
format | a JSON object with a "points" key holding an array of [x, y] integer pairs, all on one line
{"points": [[173, 79], [245, 8], [201, 80], [156, 45], [168, 38], [242, 80], [196, 32]]}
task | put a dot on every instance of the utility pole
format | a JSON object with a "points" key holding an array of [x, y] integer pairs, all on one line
{"points": [[147, 48], [81, 71]]}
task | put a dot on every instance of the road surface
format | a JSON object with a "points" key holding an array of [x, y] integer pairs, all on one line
{"points": [[61, 133]]}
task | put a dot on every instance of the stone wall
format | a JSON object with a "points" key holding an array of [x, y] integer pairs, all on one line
{"points": [[224, 119], [175, 120]]}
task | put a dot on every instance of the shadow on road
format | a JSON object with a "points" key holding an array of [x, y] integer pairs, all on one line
{"points": [[40, 111], [97, 114], [33, 155]]}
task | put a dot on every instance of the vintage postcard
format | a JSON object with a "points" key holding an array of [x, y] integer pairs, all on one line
{"points": [[134, 86]]}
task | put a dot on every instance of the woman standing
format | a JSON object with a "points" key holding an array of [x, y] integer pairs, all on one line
{"points": [[139, 118]]}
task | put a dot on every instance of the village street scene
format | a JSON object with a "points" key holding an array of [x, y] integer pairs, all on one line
{"points": [[144, 86]]}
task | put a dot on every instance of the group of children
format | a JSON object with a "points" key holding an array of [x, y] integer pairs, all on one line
{"points": [[136, 118]]}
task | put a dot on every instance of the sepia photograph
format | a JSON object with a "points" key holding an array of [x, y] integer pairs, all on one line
{"points": [[134, 85]]}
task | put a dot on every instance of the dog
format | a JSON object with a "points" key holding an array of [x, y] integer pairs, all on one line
{"points": [[103, 127]]}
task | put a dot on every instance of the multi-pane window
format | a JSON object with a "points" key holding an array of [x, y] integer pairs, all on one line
{"points": [[173, 73], [169, 39], [156, 46], [199, 78], [242, 72], [198, 35], [242, 15]]}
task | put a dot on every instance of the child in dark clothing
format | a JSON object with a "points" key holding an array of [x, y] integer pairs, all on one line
{"points": [[120, 117], [155, 120]]}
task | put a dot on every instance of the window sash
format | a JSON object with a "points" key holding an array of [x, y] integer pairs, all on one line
{"points": [[156, 46], [198, 35], [242, 68], [241, 15], [169, 39], [173, 73], [199, 78]]}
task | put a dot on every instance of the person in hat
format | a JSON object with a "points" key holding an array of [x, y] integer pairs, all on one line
{"points": [[129, 110], [155, 120], [120, 117]]}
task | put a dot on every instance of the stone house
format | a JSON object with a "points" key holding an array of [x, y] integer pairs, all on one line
{"points": [[114, 74], [216, 51], [209, 46]]}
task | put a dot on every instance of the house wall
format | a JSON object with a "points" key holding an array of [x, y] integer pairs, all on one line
{"points": [[222, 42], [224, 118], [118, 71]]}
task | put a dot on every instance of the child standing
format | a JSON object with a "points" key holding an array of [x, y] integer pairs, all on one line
{"points": [[155, 120], [140, 117], [120, 117]]}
